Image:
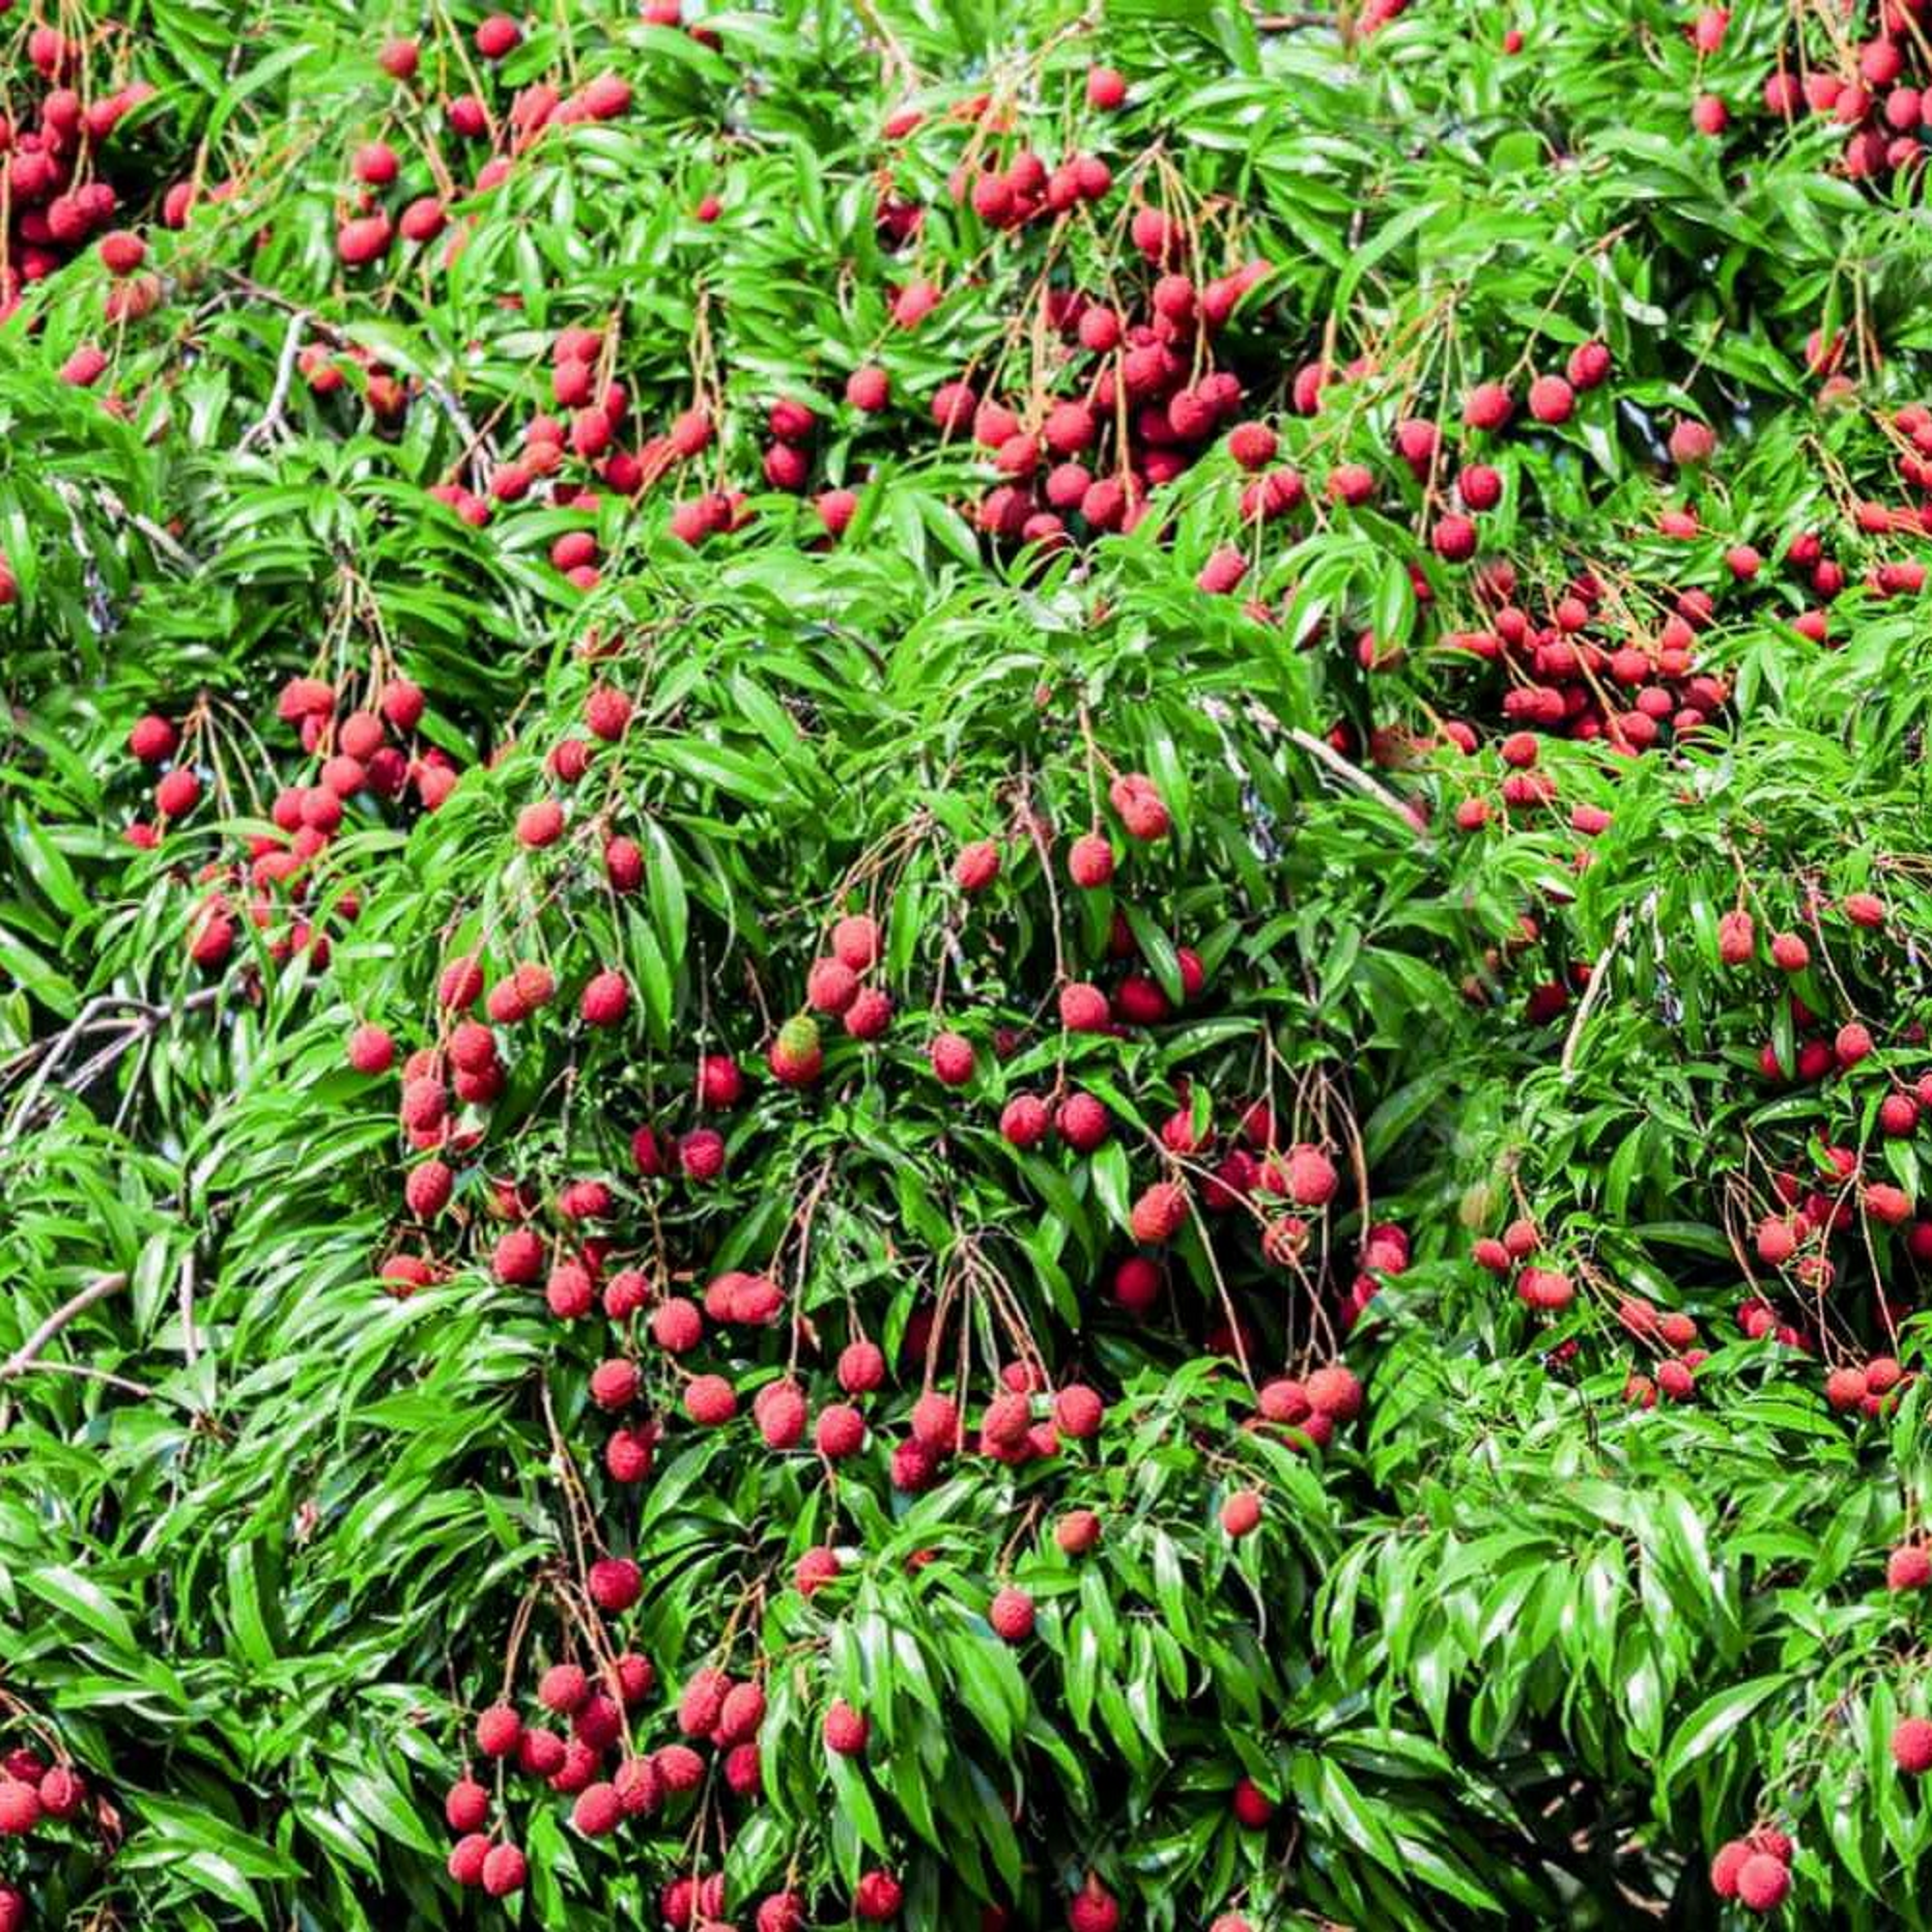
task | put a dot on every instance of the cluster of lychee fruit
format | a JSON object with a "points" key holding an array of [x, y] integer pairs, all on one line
{"points": [[1870, 90], [390, 196], [36, 1795], [60, 191], [366, 757]]}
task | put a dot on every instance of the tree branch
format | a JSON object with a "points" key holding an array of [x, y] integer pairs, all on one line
{"points": [[22, 1358]]}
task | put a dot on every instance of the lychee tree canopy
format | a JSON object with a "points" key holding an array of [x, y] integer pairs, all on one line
{"points": [[1052, 874]]}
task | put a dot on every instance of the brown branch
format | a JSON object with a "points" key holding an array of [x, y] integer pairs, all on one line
{"points": [[23, 1357]]}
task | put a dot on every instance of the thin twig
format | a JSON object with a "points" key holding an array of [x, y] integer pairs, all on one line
{"points": [[279, 396], [1599, 974], [22, 1358], [1350, 774]]}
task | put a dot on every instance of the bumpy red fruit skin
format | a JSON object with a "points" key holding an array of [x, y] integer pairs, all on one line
{"points": [[1242, 1513], [1012, 1615], [1093, 1909], [876, 1897], [1159, 1215], [613, 1384], [781, 1912], [606, 1000], [1909, 1566], [952, 1057], [466, 1806], [841, 1431], [563, 1688], [498, 1730], [1726, 1866], [1763, 1882], [1912, 1746], [831, 986], [19, 1808], [614, 1583], [1083, 1121], [1090, 862], [845, 1729], [1079, 1411], [857, 941], [710, 1401], [679, 1767], [598, 1809], [504, 1871], [467, 1857], [1335, 1392], [977, 865], [1082, 1008], [780, 1410]]}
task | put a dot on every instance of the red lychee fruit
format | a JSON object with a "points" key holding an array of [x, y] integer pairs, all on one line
{"points": [[857, 941], [1909, 1566], [467, 1857], [846, 1729], [1090, 861], [831, 986], [1082, 1120], [1912, 1746], [1242, 1513], [742, 1713], [466, 1806], [701, 1154], [540, 824], [1012, 1615], [841, 1431], [870, 1014], [1762, 1883], [1159, 1215], [781, 1912], [868, 389], [877, 1897], [598, 1809], [563, 1688], [1336, 1392], [1093, 1908], [505, 1869], [19, 1808], [606, 1000], [498, 1730], [796, 1057], [952, 1057], [1693, 442], [1077, 1531], [710, 1401], [977, 865], [1552, 400], [1251, 1804], [1312, 1179], [1730, 1860], [778, 1408], [1488, 406], [1078, 1411], [613, 1384], [494, 37], [371, 1050], [614, 1583], [1082, 1008], [1737, 939]]}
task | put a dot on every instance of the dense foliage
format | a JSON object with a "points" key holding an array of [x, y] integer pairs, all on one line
{"points": [[964, 965]]}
